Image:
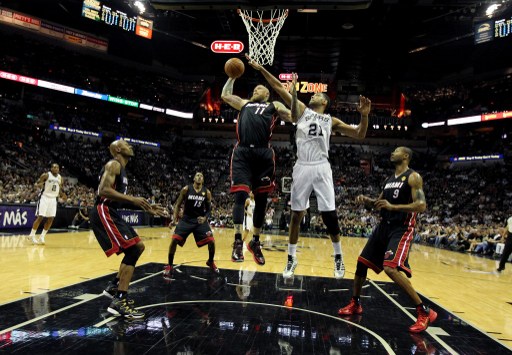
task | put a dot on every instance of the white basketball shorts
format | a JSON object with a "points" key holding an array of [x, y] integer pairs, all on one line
{"points": [[248, 223], [46, 207], [317, 177]]}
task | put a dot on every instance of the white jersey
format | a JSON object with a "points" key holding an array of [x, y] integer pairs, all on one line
{"points": [[52, 185], [249, 211], [313, 136]]}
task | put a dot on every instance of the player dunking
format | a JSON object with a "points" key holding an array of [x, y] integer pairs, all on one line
{"points": [[252, 162], [312, 171], [51, 185], [401, 199], [197, 209], [114, 235]]}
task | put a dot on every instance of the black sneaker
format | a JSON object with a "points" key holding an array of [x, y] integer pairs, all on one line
{"points": [[213, 267], [110, 290], [237, 256], [122, 307], [255, 248]]}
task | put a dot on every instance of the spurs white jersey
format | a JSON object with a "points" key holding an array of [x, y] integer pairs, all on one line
{"points": [[249, 211], [313, 136], [52, 185]]}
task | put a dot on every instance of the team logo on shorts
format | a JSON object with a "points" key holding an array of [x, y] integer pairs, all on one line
{"points": [[388, 254]]}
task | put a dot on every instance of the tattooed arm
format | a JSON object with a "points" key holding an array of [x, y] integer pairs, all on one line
{"points": [[418, 204]]}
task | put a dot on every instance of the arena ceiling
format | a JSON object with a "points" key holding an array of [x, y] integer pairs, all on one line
{"points": [[361, 43]]}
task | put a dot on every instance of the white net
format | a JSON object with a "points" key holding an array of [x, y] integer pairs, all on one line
{"points": [[263, 32]]}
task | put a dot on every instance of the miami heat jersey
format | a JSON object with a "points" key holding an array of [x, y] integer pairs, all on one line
{"points": [[52, 185], [397, 191], [255, 124], [312, 136], [120, 185], [195, 203]]}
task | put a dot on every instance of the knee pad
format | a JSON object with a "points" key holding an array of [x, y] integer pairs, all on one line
{"points": [[361, 269], [238, 208], [260, 205], [330, 219], [132, 254]]}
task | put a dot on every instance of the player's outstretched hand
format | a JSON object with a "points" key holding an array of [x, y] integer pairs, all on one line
{"points": [[383, 204], [159, 210], [142, 203], [364, 106], [253, 63]]}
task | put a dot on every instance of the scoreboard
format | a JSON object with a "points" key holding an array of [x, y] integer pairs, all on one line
{"points": [[97, 11]]}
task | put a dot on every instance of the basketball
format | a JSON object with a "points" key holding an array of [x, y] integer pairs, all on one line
{"points": [[234, 68]]}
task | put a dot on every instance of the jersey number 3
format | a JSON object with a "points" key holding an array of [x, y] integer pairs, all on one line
{"points": [[315, 130]]}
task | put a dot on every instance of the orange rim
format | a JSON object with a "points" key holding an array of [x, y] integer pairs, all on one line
{"points": [[262, 20]]}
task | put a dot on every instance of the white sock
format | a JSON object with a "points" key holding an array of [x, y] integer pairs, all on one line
{"points": [[43, 233], [292, 249], [33, 232], [337, 248]]}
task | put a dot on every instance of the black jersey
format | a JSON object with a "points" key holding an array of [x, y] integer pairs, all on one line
{"points": [[397, 191], [120, 185], [255, 124], [195, 203]]}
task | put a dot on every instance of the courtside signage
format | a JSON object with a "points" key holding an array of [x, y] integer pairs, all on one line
{"points": [[227, 46]]}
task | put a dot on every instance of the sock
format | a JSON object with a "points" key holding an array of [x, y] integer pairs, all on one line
{"points": [[121, 294], [171, 259], [43, 233], [33, 232], [256, 238], [337, 248], [356, 299], [238, 236], [292, 249]]}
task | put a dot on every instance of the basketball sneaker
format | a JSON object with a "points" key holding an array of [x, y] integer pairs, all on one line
{"points": [[255, 248], [339, 267], [41, 240], [423, 321], [34, 239], [110, 290], [121, 307], [350, 309], [167, 273], [290, 267], [238, 255], [212, 266]]}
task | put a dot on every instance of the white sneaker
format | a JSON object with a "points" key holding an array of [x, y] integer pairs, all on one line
{"points": [[41, 240], [339, 268], [290, 267], [34, 239]]}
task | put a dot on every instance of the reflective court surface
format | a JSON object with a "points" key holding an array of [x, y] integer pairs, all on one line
{"points": [[247, 309]]}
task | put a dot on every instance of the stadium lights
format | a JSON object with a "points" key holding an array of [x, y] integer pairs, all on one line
{"points": [[140, 6], [464, 120], [432, 124], [491, 9]]}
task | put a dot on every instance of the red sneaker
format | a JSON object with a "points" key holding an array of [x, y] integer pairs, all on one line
{"points": [[167, 272], [423, 321], [351, 308], [212, 266]]}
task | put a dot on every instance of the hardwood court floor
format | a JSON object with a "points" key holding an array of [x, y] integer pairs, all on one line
{"points": [[463, 284]]}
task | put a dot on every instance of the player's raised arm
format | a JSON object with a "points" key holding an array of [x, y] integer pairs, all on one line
{"points": [[297, 107], [358, 132], [273, 81], [232, 100], [283, 112]]}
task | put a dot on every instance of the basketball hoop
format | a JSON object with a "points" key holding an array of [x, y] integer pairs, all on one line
{"points": [[263, 33]]}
